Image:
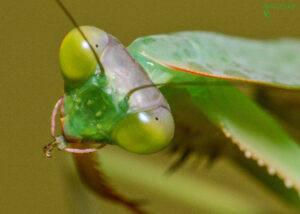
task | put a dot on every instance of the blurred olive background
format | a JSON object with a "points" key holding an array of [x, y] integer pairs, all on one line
{"points": [[30, 84]]}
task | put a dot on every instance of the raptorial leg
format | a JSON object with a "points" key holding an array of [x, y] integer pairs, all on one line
{"points": [[79, 148]]}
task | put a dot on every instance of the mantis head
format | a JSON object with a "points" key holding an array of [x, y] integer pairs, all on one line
{"points": [[98, 73]]}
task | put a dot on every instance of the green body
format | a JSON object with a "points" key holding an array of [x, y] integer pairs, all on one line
{"points": [[96, 108]]}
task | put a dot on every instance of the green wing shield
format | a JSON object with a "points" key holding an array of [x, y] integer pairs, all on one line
{"points": [[271, 62], [211, 58]]}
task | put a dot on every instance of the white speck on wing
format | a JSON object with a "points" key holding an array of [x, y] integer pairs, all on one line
{"points": [[150, 63]]}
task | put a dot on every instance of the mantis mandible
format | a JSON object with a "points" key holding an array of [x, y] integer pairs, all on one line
{"points": [[112, 96]]}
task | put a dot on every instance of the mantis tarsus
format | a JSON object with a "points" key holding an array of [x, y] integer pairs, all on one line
{"points": [[112, 96]]}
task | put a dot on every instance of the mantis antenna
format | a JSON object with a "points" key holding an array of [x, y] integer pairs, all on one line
{"points": [[200, 83], [68, 14], [169, 84]]}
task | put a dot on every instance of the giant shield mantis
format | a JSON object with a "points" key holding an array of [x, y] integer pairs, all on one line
{"points": [[127, 96]]}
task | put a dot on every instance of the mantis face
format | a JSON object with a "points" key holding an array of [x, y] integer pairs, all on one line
{"points": [[95, 105]]}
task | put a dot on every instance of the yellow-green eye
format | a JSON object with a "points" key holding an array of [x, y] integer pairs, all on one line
{"points": [[77, 60], [145, 132]]}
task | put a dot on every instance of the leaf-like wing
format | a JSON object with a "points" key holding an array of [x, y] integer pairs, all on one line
{"points": [[255, 132], [271, 62]]}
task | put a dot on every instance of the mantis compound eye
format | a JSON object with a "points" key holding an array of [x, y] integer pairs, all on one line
{"points": [[77, 60], [145, 132]]}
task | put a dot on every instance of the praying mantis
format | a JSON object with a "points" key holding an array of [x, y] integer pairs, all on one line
{"points": [[132, 97]]}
